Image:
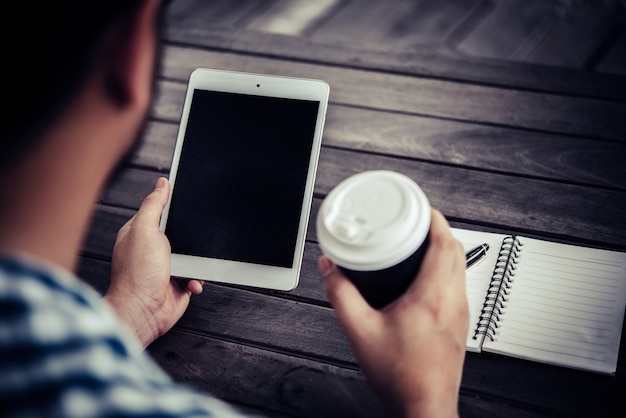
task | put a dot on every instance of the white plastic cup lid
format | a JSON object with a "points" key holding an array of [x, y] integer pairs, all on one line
{"points": [[373, 220]]}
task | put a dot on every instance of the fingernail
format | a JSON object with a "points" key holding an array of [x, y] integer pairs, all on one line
{"points": [[160, 183], [325, 265]]}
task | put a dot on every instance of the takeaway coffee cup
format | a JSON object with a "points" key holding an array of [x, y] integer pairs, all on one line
{"points": [[374, 226]]}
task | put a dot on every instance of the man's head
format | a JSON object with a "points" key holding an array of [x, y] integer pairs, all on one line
{"points": [[77, 80], [50, 57]]}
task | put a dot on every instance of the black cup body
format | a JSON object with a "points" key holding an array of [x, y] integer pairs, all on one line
{"points": [[381, 287]]}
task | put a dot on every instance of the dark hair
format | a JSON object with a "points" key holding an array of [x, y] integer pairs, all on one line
{"points": [[48, 57]]}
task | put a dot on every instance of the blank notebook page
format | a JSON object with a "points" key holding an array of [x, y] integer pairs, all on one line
{"points": [[566, 306]]}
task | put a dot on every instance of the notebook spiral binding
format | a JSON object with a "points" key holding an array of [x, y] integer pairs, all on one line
{"points": [[499, 288]]}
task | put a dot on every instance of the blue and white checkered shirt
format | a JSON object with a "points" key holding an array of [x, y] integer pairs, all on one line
{"points": [[63, 353]]}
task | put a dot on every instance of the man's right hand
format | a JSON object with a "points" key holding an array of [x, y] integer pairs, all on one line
{"points": [[412, 351]]}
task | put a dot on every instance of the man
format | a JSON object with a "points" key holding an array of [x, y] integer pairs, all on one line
{"points": [[80, 91]]}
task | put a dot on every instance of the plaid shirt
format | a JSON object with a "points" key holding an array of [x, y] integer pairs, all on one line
{"points": [[63, 353]]}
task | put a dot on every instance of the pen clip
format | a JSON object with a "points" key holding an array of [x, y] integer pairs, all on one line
{"points": [[475, 256]]}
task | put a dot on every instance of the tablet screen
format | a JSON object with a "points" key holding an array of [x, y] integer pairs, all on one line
{"points": [[241, 179]]}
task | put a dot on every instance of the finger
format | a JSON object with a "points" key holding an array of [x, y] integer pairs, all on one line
{"points": [[126, 227], [194, 286], [439, 227], [439, 259], [460, 265], [149, 213], [458, 274], [181, 285], [459, 291], [350, 307]]}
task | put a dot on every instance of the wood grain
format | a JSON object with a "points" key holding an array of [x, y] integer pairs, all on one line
{"points": [[546, 156], [513, 20], [419, 96], [268, 379], [216, 13], [577, 37], [438, 62], [356, 20], [510, 203], [430, 22], [614, 59]]}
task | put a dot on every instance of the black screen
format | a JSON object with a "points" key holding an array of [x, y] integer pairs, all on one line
{"points": [[241, 179]]}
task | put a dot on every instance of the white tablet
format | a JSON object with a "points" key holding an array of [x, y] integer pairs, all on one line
{"points": [[242, 177]]}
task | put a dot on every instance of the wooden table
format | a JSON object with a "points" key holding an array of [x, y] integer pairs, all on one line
{"points": [[497, 146]]}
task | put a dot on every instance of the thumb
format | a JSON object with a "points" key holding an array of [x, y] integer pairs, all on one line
{"points": [[149, 213], [350, 307]]}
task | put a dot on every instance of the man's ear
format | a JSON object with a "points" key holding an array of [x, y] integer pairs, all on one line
{"points": [[128, 55]]}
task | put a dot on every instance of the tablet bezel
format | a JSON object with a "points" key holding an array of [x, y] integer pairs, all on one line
{"points": [[243, 273]]}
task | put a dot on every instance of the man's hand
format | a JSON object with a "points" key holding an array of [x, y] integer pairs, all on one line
{"points": [[412, 351], [141, 291]]}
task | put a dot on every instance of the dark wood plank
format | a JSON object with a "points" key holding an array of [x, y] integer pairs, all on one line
{"points": [[381, 28], [550, 389], [543, 28], [299, 386], [302, 329], [105, 223], [262, 378], [216, 13], [355, 20], [107, 220], [95, 272], [614, 59], [420, 96], [583, 213], [156, 146], [506, 28], [434, 62], [129, 187], [590, 215], [580, 33], [430, 22], [547, 156], [293, 17], [556, 157]]}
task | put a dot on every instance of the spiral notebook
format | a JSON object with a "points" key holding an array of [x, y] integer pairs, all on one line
{"points": [[544, 301]]}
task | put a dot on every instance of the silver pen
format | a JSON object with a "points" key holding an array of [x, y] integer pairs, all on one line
{"points": [[475, 255]]}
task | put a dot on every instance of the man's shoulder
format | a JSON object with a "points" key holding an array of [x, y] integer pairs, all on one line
{"points": [[55, 335], [29, 285], [63, 352]]}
